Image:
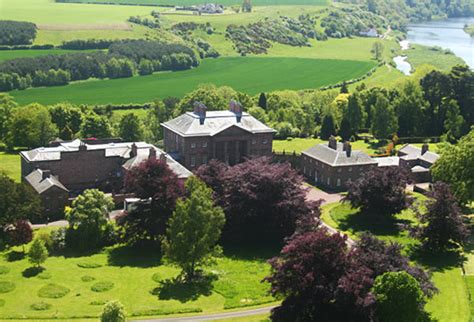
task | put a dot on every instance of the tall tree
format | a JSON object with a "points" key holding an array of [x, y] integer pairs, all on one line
{"points": [[454, 122], [354, 113], [95, 126], [377, 50], [20, 233], [380, 191], [328, 127], [262, 101], [456, 167], [384, 121], [30, 126], [130, 128], [410, 106], [193, 229], [345, 131], [38, 253], [159, 188], [67, 118], [462, 78], [7, 105], [442, 223]]}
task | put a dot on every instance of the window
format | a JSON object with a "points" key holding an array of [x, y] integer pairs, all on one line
{"points": [[350, 169], [315, 176], [204, 159], [193, 145], [304, 170], [329, 181], [338, 182], [204, 144], [310, 172], [339, 170], [264, 141], [254, 141], [193, 161]]}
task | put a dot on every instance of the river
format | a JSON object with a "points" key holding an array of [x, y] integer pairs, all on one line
{"points": [[447, 34]]}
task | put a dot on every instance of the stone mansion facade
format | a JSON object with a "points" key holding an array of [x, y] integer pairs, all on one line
{"points": [[230, 136]]}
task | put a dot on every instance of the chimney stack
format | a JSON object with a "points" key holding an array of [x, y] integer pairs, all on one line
{"points": [[46, 174], [332, 143], [348, 148], [200, 110], [424, 148], [163, 156], [152, 154], [82, 146], [134, 151]]}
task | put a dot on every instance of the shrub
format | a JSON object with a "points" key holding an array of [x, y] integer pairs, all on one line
{"points": [[87, 278], [157, 277], [102, 287], [20, 233], [45, 237], [53, 291], [6, 287], [44, 275], [16, 32], [58, 240], [40, 306], [113, 312], [38, 253], [89, 265]]}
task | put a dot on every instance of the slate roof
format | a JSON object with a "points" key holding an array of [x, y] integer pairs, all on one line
{"points": [[188, 124], [324, 153], [143, 154], [35, 179], [411, 152], [419, 168], [388, 161]]}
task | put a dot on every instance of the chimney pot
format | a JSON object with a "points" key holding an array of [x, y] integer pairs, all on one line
{"points": [[152, 153], [424, 148], [348, 149], [332, 143], [134, 152], [82, 146]]}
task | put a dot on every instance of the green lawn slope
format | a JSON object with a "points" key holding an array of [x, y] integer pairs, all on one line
{"points": [[247, 74]]}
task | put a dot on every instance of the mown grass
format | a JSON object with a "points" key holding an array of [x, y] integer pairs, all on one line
{"points": [[298, 145], [452, 301], [10, 164], [11, 54], [250, 75], [140, 281]]}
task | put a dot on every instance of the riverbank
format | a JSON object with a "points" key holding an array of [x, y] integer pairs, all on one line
{"points": [[469, 29]]}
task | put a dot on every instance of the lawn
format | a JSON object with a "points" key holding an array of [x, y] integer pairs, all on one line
{"points": [[251, 75], [138, 279], [452, 301], [11, 54], [298, 145], [10, 163]]}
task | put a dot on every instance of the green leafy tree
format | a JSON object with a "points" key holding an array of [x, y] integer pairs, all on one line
{"points": [[193, 229], [399, 298], [345, 131], [145, 67], [354, 113], [7, 105], [68, 119], [38, 253], [262, 101], [456, 167], [88, 219], [95, 126], [410, 106], [113, 312], [30, 126], [384, 121], [130, 128], [377, 50], [328, 127], [454, 121]]}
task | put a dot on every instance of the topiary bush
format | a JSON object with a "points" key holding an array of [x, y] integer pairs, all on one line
{"points": [[89, 265], [156, 277], [87, 278], [53, 291], [113, 312], [40, 306], [4, 270], [102, 286], [6, 286], [44, 275]]}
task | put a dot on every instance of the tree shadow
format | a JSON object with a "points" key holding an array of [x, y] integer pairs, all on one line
{"points": [[134, 256], [178, 289], [32, 271], [14, 256], [380, 226], [438, 261], [252, 251]]}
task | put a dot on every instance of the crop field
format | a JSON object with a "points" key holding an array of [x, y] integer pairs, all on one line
{"points": [[193, 2], [11, 54], [251, 75]]}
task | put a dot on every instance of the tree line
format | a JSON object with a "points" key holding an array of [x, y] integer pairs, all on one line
{"points": [[14, 33], [123, 59]]}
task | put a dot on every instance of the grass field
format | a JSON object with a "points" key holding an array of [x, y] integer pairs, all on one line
{"points": [[10, 163], [452, 301], [138, 279], [298, 145], [419, 55], [10, 54], [247, 74], [195, 2]]}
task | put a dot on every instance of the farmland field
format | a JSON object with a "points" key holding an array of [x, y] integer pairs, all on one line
{"points": [[250, 75], [193, 2]]}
